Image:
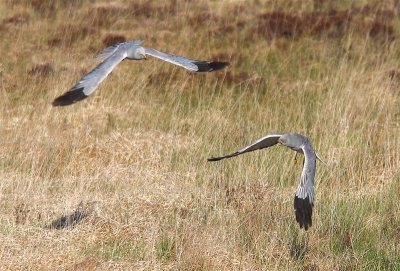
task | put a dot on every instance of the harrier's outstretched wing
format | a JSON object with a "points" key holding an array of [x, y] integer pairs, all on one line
{"points": [[304, 197], [189, 64], [88, 83], [265, 142]]}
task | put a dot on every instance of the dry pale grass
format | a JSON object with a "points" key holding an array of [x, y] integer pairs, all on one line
{"points": [[120, 181]]}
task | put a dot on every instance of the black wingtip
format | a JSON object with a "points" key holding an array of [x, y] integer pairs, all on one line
{"points": [[206, 66], [303, 210], [213, 159], [70, 97]]}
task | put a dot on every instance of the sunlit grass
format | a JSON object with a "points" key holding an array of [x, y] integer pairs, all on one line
{"points": [[138, 146]]}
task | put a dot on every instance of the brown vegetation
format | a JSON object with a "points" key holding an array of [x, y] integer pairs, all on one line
{"points": [[67, 33], [110, 39], [43, 69], [331, 24], [19, 18], [137, 147], [150, 9]]}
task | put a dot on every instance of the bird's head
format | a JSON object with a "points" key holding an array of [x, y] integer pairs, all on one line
{"points": [[140, 53], [293, 141]]}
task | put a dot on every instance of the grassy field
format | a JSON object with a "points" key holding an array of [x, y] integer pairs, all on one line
{"points": [[131, 159]]}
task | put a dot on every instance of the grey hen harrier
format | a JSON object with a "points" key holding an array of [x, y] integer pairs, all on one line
{"points": [[131, 50], [304, 197]]}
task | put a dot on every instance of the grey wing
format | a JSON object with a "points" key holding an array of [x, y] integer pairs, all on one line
{"points": [[88, 83], [265, 142], [189, 64], [108, 52], [304, 197]]}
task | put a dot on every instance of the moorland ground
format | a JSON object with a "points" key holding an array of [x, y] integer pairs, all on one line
{"points": [[131, 159]]}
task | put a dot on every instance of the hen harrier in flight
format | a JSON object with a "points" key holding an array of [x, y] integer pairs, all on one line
{"points": [[304, 197], [131, 50]]}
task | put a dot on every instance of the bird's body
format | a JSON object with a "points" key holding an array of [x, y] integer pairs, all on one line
{"points": [[131, 50], [304, 196]]}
